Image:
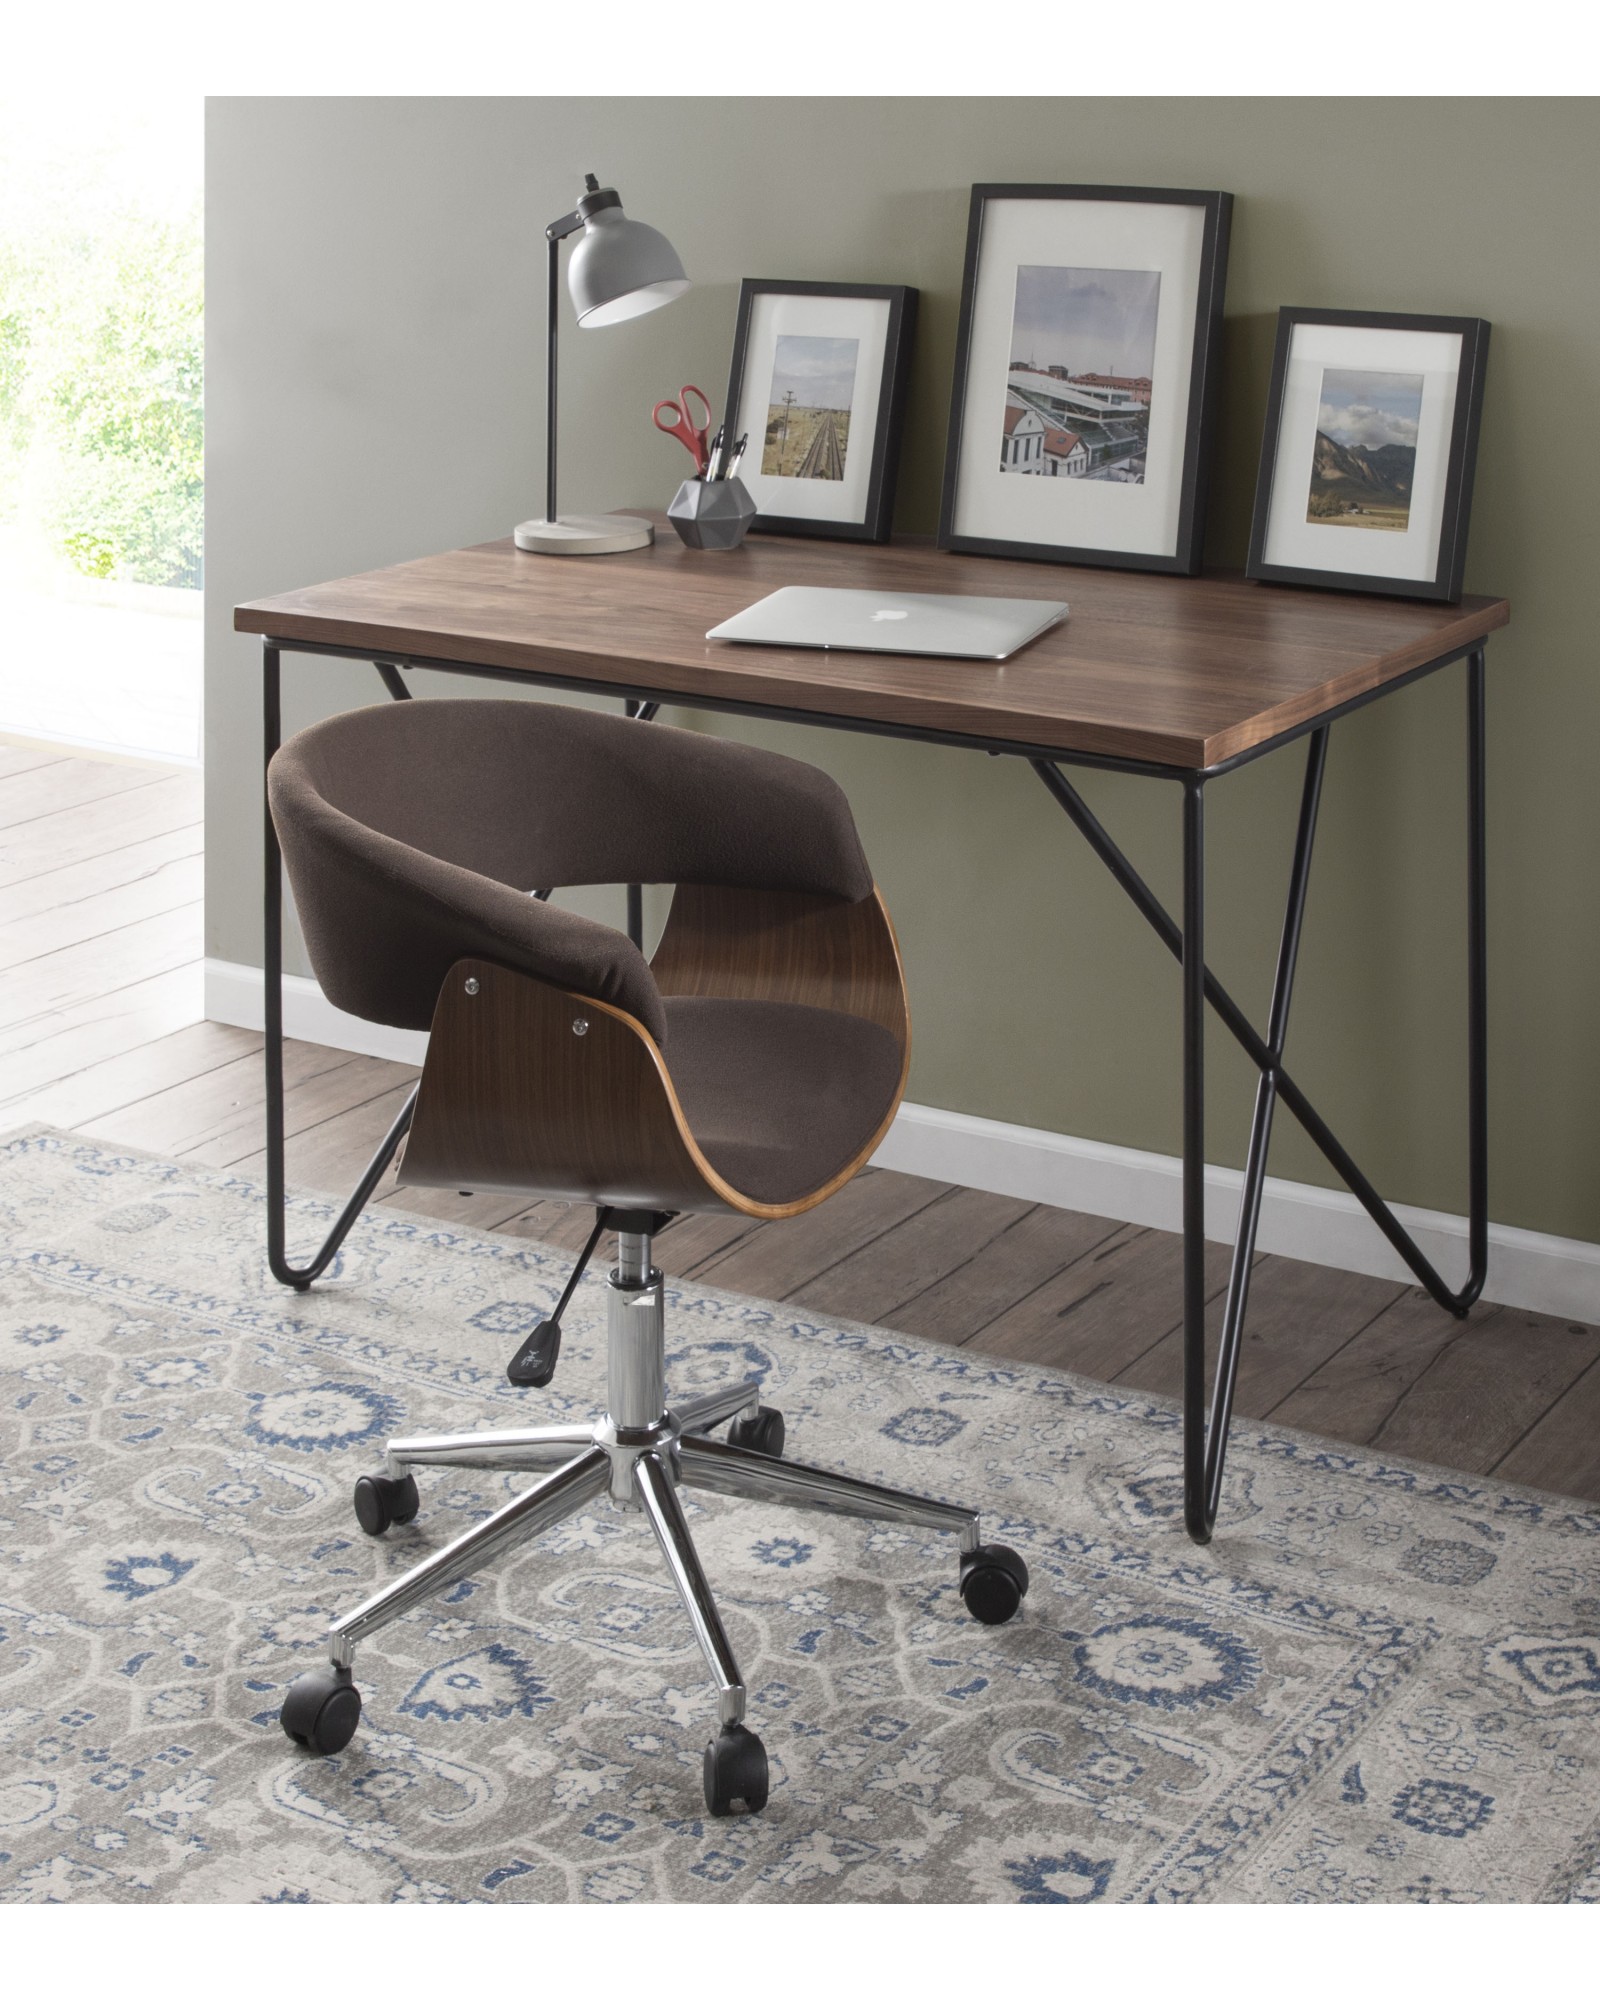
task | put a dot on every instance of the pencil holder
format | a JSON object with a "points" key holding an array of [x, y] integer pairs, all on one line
{"points": [[712, 514]]}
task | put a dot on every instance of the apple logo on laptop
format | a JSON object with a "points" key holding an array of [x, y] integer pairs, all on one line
{"points": [[878, 617]]}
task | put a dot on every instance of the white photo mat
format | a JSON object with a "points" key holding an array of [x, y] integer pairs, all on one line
{"points": [[772, 314], [1140, 519], [1292, 541]]}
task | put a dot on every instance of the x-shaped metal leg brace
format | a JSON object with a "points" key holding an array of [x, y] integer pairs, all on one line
{"points": [[1205, 1445]]}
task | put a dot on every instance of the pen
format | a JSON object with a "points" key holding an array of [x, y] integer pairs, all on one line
{"points": [[736, 455], [710, 472]]}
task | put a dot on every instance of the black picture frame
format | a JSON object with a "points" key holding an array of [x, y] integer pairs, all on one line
{"points": [[1450, 571], [1205, 364], [878, 514]]}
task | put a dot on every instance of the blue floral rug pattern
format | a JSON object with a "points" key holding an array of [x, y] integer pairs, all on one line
{"points": [[1381, 1683]]}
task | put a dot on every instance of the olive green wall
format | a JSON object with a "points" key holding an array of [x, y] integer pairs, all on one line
{"points": [[374, 285]]}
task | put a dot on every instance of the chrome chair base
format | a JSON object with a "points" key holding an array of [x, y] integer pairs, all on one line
{"points": [[639, 1454]]}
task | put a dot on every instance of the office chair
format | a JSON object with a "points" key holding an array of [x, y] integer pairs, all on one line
{"points": [[752, 1065]]}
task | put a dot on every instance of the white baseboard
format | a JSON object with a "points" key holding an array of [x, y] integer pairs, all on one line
{"points": [[1539, 1273], [236, 995]]}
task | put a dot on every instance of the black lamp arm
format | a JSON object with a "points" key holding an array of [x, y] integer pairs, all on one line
{"points": [[564, 225], [595, 198]]}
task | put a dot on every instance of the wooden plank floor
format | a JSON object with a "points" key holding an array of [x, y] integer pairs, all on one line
{"points": [[100, 1032]]}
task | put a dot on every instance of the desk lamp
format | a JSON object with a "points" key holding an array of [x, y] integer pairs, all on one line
{"points": [[618, 270]]}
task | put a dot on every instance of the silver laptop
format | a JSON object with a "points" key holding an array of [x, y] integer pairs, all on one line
{"points": [[893, 621]]}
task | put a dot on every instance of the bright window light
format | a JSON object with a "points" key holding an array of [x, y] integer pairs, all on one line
{"points": [[101, 423]]}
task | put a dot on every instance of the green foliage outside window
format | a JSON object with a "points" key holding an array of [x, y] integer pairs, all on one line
{"points": [[101, 405]]}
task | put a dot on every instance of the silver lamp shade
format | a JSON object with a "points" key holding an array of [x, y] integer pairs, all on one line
{"points": [[620, 269]]}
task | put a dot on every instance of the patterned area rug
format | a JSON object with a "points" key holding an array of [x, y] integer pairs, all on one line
{"points": [[1379, 1684]]}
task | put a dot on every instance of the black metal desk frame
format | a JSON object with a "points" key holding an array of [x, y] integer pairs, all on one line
{"points": [[1204, 1443]]}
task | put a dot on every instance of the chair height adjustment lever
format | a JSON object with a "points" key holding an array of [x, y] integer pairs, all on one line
{"points": [[533, 1366]]}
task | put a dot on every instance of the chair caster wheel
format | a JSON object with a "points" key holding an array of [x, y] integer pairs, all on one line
{"points": [[994, 1581], [321, 1710], [763, 1432], [382, 1503], [735, 1768]]}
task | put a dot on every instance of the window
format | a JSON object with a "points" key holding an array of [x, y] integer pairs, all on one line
{"points": [[101, 426]]}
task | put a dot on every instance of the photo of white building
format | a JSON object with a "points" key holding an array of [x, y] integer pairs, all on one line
{"points": [[1022, 445], [1083, 345]]}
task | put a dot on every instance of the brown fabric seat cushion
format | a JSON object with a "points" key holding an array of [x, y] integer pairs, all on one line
{"points": [[779, 1097]]}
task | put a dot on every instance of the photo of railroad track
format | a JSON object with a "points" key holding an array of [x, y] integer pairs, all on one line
{"points": [[808, 408]]}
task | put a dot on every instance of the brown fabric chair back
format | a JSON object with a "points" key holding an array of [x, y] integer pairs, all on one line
{"points": [[412, 833]]}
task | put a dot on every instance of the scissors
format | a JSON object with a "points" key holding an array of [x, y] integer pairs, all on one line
{"points": [[691, 438]]}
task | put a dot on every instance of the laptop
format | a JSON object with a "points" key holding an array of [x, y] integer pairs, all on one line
{"points": [[893, 621]]}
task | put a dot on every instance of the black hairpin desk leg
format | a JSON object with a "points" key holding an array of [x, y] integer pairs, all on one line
{"points": [[1205, 1445], [1193, 960], [303, 1276], [1255, 1170], [638, 711]]}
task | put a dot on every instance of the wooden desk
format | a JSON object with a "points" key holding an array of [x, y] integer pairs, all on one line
{"points": [[1191, 672], [1170, 677]]}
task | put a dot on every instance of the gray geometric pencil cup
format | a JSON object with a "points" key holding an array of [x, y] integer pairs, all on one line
{"points": [[712, 514]]}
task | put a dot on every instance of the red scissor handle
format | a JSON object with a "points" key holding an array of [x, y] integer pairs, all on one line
{"points": [[681, 425]]}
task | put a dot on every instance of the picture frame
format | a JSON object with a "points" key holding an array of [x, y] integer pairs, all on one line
{"points": [[1115, 294], [798, 339], [1368, 452]]}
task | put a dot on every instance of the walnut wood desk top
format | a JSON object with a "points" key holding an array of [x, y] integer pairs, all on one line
{"points": [[1181, 671]]}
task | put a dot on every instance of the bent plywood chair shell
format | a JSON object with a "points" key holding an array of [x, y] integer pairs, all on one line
{"points": [[531, 1088]]}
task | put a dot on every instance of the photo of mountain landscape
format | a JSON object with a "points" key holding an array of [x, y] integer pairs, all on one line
{"points": [[1365, 456]]}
